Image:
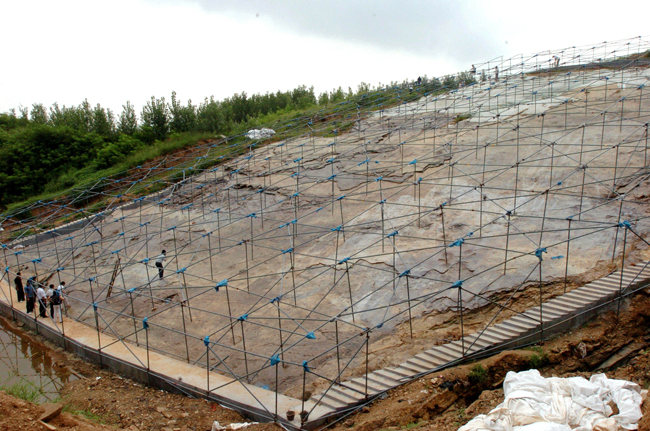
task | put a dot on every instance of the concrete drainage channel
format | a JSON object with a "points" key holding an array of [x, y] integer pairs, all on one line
{"points": [[558, 315]]}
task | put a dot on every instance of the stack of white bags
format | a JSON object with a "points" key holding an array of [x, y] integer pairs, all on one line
{"points": [[535, 403]]}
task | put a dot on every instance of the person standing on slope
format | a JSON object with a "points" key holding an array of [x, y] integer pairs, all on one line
{"points": [[41, 297], [159, 263], [30, 294], [20, 292]]}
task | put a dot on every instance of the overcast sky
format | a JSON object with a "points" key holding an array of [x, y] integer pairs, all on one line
{"points": [[109, 52]]}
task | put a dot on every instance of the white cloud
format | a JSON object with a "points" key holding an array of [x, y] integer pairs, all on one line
{"points": [[111, 52]]}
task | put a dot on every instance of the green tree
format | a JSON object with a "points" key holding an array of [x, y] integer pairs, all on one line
{"points": [[39, 114], [103, 121], [155, 115], [183, 118], [128, 121]]}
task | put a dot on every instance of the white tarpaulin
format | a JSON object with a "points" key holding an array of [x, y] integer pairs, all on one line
{"points": [[535, 403], [260, 133]]}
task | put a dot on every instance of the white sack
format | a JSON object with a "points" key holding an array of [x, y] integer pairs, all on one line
{"points": [[535, 403], [260, 133]]}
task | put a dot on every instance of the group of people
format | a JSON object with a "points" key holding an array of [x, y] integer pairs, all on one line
{"points": [[34, 291]]}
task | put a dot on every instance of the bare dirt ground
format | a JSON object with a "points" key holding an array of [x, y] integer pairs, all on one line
{"points": [[446, 400], [441, 401]]}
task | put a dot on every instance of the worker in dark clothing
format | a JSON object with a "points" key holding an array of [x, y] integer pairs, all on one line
{"points": [[20, 292], [30, 293]]}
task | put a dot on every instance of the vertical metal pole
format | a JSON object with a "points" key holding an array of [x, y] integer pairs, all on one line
{"points": [[620, 286], [347, 273], [541, 303], [444, 235], [566, 267], [505, 260], [620, 210], [243, 338]]}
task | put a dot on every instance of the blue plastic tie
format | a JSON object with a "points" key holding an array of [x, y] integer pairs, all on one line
{"points": [[60, 268], [289, 250], [242, 317], [458, 283], [413, 162], [557, 257], [407, 272], [145, 260], [539, 252], [37, 260], [95, 306], [331, 177], [626, 224], [145, 323], [310, 335], [305, 366], [181, 271], [337, 229], [379, 179], [340, 197], [275, 359], [131, 290], [343, 260], [457, 243], [206, 341], [392, 234]]}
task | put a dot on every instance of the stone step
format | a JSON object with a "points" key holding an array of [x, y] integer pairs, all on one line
{"points": [[411, 369], [328, 401], [433, 363], [481, 342], [499, 332], [466, 345], [359, 385], [547, 315], [420, 363], [564, 310], [345, 394], [512, 327], [593, 297], [400, 372], [572, 298], [524, 321], [382, 382], [441, 355], [388, 375], [603, 293], [604, 285], [454, 352]]}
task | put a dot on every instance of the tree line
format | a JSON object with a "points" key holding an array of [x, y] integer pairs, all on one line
{"points": [[50, 149]]}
